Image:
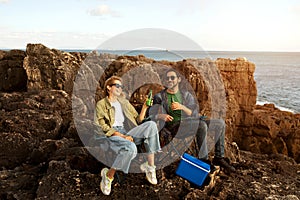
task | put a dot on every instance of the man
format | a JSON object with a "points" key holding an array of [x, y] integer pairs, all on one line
{"points": [[174, 105]]}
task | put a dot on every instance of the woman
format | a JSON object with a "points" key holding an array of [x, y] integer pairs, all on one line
{"points": [[119, 121]]}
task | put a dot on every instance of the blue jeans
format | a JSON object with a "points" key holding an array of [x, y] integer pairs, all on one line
{"points": [[218, 127], [126, 151]]}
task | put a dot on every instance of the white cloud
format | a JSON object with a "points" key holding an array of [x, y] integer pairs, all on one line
{"points": [[4, 1], [58, 40], [188, 7], [102, 11], [295, 9]]}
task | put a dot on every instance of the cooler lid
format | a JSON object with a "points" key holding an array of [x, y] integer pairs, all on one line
{"points": [[196, 161]]}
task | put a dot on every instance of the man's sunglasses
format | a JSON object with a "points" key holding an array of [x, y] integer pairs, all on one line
{"points": [[117, 85], [170, 77]]}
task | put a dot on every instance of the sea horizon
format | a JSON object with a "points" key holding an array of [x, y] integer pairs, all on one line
{"points": [[89, 50], [276, 73]]}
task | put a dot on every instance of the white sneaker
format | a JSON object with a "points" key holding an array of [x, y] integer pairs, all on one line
{"points": [[105, 184], [150, 172]]}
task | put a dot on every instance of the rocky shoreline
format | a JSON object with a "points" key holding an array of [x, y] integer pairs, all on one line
{"points": [[44, 157]]}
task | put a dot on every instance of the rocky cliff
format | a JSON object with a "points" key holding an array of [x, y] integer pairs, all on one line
{"points": [[47, 98]]}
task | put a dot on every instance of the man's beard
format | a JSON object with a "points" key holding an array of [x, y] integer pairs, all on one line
{"points": [[173, 86]]}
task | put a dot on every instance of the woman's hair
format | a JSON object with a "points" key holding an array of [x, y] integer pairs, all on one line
{"points": [[111, 81]]}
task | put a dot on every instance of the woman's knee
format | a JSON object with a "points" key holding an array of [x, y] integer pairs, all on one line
{"points": [[129, 149], [133, 148], [151, 125]]}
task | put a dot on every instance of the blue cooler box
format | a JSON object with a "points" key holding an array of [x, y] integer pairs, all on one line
{"points": [[192, 169]]}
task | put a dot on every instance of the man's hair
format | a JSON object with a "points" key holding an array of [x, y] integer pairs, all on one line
{"points": [[172, 70], [111, 81]]}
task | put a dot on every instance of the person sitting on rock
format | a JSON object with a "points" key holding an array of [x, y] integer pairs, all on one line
{"points": [[119, 121], [172, 105]]}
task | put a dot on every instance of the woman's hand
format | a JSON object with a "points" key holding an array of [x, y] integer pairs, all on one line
{"points": [[144, 105], [143, 112], [128, 137]]}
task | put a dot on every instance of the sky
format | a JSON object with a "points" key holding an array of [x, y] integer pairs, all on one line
{"points": [[215, 25]]}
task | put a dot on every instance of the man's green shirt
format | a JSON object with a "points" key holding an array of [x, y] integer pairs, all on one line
{"points": [[176, 114]]}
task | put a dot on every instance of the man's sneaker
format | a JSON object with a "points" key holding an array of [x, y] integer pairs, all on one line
{"points": [[105, 184], [150, 172], [224, 164]]}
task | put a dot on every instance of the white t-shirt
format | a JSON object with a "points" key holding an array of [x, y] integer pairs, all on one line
{"points": [[119, 116]]}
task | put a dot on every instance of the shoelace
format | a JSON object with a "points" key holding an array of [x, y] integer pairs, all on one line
{"points": [[108, 181], [152, 174], [151, 171]]}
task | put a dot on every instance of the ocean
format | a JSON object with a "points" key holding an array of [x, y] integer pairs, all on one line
{"points": [[277, 74]]}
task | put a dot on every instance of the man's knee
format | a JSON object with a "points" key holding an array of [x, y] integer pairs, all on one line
{"points": [[202, 129], [221, 123], [216, 125]]}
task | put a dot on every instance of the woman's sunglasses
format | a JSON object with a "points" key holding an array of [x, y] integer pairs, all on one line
{"points": [[117, 85], [170, 77]]}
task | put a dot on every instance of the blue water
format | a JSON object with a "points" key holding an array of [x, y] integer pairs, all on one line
{"points": [[277, 74], [277, 77]]}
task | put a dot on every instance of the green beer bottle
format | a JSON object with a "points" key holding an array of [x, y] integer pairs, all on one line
{"points": [[172, 99], [149, 99]]}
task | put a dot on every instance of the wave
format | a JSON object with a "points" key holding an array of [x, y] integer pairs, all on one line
{"points": [[279, 107]]}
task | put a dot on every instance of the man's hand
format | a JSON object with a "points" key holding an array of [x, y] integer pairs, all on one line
{"points": [[165, 117], [176, 106]]}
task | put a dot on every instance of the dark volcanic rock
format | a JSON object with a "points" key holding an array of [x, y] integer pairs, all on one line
{"points": [[49, 68], [27, 119], [46, 126], [12, 74]]}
